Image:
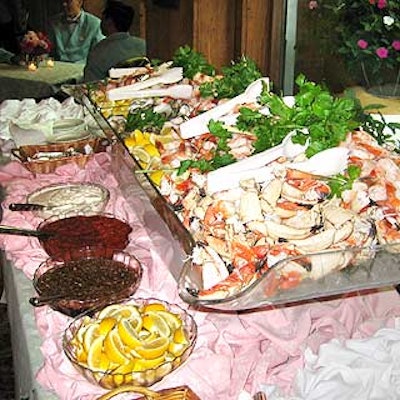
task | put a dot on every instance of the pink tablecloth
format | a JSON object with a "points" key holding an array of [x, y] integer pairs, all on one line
{"points": [[234, 352]]}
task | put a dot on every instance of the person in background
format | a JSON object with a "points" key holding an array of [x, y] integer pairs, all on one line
{"points": [[74, 33], [118, 46], [13, 24]]}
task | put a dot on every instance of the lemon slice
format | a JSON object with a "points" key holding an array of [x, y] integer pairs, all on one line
{"points": [[141, 155], [173, 320], [114, 348], [119, 311], [90, 334], [106, 325], [130, 142], [151, 150], [156, 177], [154, 323], [153, 349], [96, 359], [154, 307], [122, 374], [144, 364], [180, 336], [177, 349], [128, 334], [141, 138]]}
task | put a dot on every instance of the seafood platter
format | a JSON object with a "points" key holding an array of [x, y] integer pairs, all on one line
{"points": [[275, 199]]}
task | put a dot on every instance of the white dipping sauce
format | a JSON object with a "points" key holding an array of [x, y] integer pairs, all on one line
{"points": [[66, 199]]}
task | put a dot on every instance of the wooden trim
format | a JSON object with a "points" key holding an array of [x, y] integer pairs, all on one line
{"points": [[214, 30], [142, 19], [255, 33]]}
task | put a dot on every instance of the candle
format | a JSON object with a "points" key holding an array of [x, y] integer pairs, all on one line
{"points": [[50, 62], [32, 66]]}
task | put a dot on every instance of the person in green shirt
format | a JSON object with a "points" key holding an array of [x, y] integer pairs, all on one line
{"points": [[74, 32], [118, 46]]}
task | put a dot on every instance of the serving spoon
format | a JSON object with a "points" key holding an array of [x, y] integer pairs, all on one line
{"points": [[175, 91], [198, 125], [41, 300], [172, 75], [38, 301], [12, 230], [244, 167], [326, 163]]}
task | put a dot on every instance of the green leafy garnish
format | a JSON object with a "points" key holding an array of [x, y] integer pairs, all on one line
{"points": [[340, 182], [192, 62], [234, 81], [221, 155], [317, 117], [144, 119]]}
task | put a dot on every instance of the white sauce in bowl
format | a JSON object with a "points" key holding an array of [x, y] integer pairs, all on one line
{"points": [[65, 199]]}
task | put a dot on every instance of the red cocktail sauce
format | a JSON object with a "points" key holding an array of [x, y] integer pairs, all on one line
{"points": [[73, 234]]}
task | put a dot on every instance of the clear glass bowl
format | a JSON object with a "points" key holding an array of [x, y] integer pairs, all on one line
{"points": [[125, 373], [62, 199], [91, 281], [70, 234]]}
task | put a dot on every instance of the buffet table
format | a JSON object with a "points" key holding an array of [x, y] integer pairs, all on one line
{"points": [[244, 350], [17, 82], [275, 349]]}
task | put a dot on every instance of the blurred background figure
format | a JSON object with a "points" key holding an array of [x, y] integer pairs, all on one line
{"points": [[74, 32], [118, 46], [13, 24]]}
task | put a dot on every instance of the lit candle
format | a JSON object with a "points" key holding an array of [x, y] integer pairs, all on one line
{"points": [[50, 62], [32, 66]]}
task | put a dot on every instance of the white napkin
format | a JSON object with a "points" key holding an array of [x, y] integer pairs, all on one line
{"points": [[32, 121], [30, 133]]}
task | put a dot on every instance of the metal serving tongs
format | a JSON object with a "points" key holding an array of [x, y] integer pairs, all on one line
{"points": [[12, 230]]}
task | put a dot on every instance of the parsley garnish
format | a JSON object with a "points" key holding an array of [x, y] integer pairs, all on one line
{"points": [[221, 156], [340, 182], [317, 116], [144, 119], [192, 62], [234, 81]]}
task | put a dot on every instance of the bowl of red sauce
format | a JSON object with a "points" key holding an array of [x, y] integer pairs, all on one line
{"points": [[67, 236], [88, 282]]}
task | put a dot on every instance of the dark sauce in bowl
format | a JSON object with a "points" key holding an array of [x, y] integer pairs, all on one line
{"points": [[88, 282]]}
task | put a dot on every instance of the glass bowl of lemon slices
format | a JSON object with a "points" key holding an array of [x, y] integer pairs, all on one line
{"points": [[135, 342]]}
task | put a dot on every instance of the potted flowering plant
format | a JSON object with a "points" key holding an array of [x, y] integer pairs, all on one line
{"points": [[367, 35], [34, 45]]}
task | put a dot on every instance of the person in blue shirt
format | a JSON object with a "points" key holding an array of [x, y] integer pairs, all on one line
{"points": [[74, 32], [118, 46]]}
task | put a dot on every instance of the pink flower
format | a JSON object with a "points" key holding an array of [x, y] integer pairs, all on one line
{"points": [[382, 4], [312, 5], [372, 1], [362, 44], [396, 44], [382, 52]]}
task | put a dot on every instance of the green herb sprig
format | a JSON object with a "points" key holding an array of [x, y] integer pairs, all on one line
{"points": [[221, 156], [341, 182], [144, 119], [192, 62], [234, 81], [317, 117]]}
